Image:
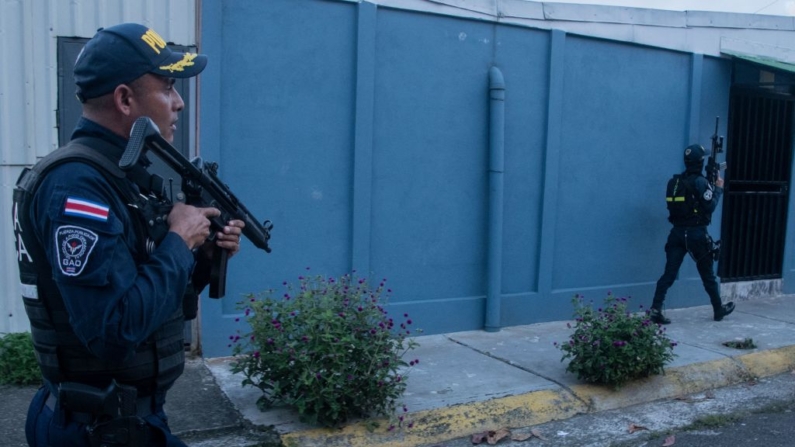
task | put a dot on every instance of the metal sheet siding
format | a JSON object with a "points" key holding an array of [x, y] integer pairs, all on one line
{"points": [[29, 97]]}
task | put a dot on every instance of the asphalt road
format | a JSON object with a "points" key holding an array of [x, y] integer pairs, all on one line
{"points": [[774, 427], [13, 411]]}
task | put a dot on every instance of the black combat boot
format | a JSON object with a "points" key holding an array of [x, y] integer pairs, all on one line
{"points": [[656, 316], [724, 310]]}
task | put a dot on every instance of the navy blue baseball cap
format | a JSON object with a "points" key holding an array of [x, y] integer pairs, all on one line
{"points": [[123, 53]]}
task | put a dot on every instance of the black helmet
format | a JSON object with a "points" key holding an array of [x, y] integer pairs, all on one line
{"points": [[694, 154]]}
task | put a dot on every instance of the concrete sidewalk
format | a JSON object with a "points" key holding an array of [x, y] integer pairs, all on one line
{"points": [[470, 382]]}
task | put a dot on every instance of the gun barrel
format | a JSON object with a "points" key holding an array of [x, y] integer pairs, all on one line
{"points": [[257, 233]]}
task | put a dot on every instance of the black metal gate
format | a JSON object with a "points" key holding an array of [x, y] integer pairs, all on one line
{"points": [[759, 158]]}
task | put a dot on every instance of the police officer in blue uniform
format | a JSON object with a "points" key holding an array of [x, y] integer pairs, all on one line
{"points": [[691, 201], [106, 290]]}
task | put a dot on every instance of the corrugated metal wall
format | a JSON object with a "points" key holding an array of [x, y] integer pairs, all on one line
{"points": [[28, 92]]}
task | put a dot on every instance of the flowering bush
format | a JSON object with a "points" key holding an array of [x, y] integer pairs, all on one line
{"points": [[613, 346], [327, 348]]}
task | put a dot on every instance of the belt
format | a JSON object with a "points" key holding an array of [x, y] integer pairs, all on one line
{"points": [[144, 406]]}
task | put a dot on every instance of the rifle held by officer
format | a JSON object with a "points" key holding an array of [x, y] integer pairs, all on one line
{"points": [[713, 167], [201, 187]]}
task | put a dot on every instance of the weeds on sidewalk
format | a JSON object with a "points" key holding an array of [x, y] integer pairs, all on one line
{"points": [[613, 346], [17, 361], [748, 343], [327, 348]]}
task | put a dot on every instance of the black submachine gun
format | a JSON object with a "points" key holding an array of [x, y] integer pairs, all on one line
{"points": [[201, 187], [713, 170], [713, 167]]}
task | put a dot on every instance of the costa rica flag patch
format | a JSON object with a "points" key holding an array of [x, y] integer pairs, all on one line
{"points": [[78, 207]]}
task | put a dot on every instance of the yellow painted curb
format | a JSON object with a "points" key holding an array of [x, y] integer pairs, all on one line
{"points": [[451, 422], [675, 382], [769, 363]]}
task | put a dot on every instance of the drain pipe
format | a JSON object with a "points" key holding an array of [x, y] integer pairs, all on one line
{"points": [[496, 192]]}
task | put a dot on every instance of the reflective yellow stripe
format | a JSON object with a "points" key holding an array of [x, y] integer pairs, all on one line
{"points": [[674, 199]]}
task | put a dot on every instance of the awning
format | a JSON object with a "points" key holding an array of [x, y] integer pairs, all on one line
{"points": [[765, 61], [771, 57]]}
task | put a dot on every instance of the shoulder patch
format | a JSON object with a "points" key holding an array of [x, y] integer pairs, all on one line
{"points": [[708, 195], [78, 207], [74, 245]]}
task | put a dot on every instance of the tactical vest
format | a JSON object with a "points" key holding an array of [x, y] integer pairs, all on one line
{"points": [[157, 362], [684, 207]]}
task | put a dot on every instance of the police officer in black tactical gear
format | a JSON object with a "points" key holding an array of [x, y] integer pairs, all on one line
{"points": [[691, 201], [107, 289]]}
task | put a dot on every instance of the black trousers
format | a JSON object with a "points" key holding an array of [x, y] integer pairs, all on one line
{"points": [[681, 241]]}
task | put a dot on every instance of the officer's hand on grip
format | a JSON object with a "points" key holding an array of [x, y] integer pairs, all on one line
{"points": [[229, 238], [719, 181], [190, 223]]}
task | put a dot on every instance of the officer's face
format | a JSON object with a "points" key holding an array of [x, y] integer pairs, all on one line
{"points": [[156, 97]]}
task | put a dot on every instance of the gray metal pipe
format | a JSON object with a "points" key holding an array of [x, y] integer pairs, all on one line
{"points": [[496, 193]]}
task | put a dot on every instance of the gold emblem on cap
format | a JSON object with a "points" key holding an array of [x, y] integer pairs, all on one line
{"points": [[154, 40], [187, 61]]}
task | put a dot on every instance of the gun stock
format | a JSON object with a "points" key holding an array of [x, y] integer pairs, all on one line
{"points": [[201, 187]]}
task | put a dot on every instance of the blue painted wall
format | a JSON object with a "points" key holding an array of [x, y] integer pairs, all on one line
{"points": [[362, 133]]}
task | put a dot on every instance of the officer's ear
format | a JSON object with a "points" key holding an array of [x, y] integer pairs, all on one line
{"points": [[123, 98]]}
